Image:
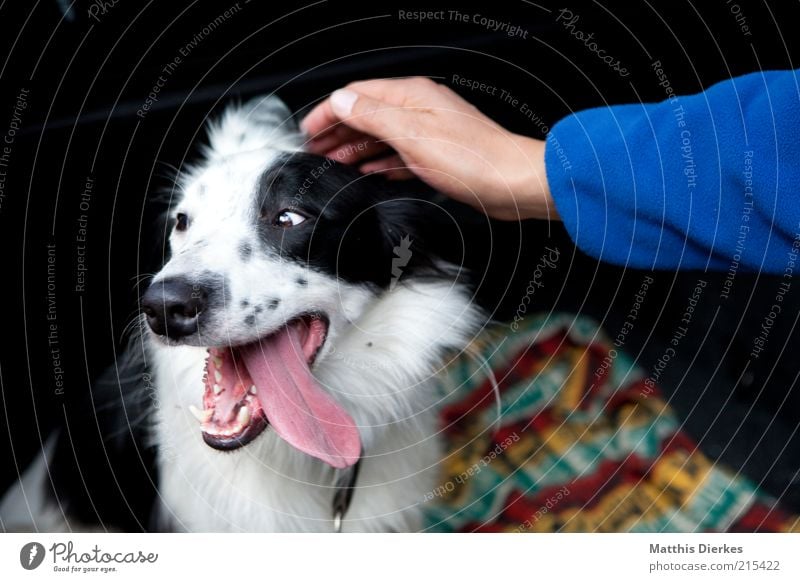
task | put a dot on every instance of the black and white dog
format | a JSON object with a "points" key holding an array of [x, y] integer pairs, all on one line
{"points": [[278, 331], [294, 335]]}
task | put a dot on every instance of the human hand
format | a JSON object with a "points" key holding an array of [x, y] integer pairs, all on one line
{"points": [[423, 129]]}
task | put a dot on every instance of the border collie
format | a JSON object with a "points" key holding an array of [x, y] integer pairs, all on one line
{"points": [[293, 337]]}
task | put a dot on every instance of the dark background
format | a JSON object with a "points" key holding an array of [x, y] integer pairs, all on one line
{"points": [[88, 77]]}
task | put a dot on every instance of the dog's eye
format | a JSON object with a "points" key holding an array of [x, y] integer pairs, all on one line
{"points": [[181, 222], [287, 218]]}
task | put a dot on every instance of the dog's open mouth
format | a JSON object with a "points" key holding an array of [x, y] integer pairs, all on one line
{"points": [[269, 382]]}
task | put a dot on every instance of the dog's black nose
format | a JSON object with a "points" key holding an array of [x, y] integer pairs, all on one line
{"points": [[173, 307]]}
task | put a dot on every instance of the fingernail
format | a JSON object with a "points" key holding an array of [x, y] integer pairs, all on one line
{"points": [[342, 101]]}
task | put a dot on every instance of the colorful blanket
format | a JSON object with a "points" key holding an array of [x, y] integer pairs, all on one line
{"points": [[583, 443]]}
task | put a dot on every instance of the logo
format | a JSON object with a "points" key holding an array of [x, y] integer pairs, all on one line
{"points": [[402, 254], [31, 555]]}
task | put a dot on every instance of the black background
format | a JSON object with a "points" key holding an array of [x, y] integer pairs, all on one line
{"points": [[87, 78]]}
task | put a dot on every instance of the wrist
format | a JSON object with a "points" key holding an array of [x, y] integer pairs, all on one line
{"points": [[529, 186]]}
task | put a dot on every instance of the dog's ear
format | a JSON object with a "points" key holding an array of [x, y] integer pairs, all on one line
{"points": [[262, 122], [269, 111], [415, 233]]}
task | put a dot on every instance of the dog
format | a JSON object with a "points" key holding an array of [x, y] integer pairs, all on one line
{"points": [[286, 334], [292, 339]]}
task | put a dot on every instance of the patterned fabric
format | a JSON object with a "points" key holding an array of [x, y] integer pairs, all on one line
{"points": [[583, 443]]}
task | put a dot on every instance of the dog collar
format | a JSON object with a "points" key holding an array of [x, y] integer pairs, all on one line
{"points": [[345, 486]]}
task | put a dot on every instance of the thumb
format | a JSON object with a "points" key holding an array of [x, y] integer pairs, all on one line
{"points": [[363, 113]]}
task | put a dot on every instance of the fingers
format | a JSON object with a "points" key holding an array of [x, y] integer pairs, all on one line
{"points": [[355, 152], [366, 114], [355, 126], [392, 167], [326, 117], [320, 121], [398, 92], [334, 138], [365, 99], [346, 145]]}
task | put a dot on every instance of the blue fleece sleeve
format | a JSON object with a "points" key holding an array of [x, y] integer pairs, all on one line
{"points": [[703, 181]]}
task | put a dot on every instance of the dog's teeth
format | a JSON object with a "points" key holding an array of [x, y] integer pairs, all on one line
{"points": [[217, 362], [201, 415], [243, 417], [217, 376], [217, 389], [253, 390]]}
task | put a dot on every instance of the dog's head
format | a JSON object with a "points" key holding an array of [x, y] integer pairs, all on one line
{"points": [[277, 257]]}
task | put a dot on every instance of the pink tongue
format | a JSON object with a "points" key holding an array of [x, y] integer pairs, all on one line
{"points": [[299, 410]]}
